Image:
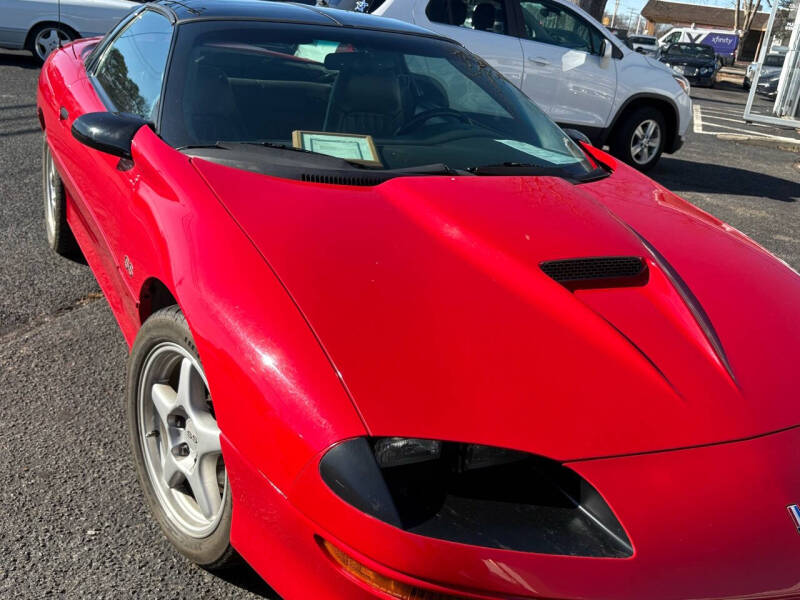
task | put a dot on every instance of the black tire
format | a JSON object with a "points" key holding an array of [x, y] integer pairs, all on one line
{"points": [[64, 33], [622, 138], [213, 551], [59, 235]]}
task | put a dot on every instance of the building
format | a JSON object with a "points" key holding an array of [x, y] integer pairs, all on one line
{"points": [[679, 14]]}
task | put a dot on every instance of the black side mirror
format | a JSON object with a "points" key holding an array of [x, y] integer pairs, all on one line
{"points": [[578, 136], [111, 133]]}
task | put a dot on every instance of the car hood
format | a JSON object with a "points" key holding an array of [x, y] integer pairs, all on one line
{"points": [[428, 295], [689, 61], [652, 61]]}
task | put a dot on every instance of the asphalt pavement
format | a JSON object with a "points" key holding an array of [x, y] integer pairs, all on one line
{"points": [[74, 524]]}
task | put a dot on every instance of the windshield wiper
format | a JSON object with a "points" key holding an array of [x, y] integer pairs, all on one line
{"points": [[537, 170], [430, 169]]}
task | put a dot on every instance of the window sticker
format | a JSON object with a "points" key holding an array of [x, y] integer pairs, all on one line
{"points": [[359, 148], [553, 157]]}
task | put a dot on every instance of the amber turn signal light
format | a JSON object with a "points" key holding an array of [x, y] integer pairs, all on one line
{"points": [[392, 587]]}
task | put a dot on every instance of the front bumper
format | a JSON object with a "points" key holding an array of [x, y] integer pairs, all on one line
{"points": [[684, 113], [708, 522], [702, 81]]}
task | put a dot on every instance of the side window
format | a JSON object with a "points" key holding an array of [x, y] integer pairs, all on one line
{"points": [[673, 37], [550, 23], [481, 15], [131, 69]]}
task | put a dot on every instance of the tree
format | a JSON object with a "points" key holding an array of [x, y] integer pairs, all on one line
{"points": [[746, 11], [596, 8]]}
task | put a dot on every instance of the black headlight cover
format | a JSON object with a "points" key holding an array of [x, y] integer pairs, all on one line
{"points": [[508, 500]]}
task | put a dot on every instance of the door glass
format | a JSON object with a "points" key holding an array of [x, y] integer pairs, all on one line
{"points": [[132, 68], [481, 15], [551, 24]]}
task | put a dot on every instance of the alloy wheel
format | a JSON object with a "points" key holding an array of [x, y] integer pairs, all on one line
{"points": [[645, 142], [180, 442], [48, 39], [52, 183]]}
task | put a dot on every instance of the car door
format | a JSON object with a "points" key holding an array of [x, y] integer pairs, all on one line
{"points": [[482, 26], [94, 17], [127, 77], [563, 52], [17, 17]]}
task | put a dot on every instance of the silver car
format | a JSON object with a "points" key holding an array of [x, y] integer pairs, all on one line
{"points": [[773, 63], [643, 44], [41, 25]]}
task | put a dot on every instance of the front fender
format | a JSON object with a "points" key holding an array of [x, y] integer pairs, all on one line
{"points": [[277, 398]]}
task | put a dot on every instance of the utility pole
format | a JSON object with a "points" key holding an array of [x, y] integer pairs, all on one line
{"points": [[614, 16]]}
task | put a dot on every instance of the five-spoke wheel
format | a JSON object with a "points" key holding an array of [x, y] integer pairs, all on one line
{"points": [[176, 440], [180, 439], [47, 37], [59, 235]]}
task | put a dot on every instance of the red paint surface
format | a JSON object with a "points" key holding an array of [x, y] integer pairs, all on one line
{"points": [[417, 308]]}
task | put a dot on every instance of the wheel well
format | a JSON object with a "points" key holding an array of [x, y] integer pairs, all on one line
{"points": [[663, 106], [154, 296], [32, 31]]}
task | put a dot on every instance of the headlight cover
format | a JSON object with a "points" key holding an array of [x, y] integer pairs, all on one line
{"points": [[474, 494]]}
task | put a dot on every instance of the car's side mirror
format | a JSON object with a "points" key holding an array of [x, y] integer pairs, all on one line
{"points": [[607, 50], [107, 132], [578, 136]]}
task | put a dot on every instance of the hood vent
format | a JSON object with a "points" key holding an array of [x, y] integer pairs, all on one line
{"points": [[597, 272], [342, 179]]}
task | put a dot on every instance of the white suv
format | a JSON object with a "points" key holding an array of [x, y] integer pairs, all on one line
{"points": [[571, 66]]}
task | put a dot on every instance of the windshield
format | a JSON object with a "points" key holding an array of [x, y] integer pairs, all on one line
{"points": [[642, 40], [379, 100], [774, 60], [695, 50]]}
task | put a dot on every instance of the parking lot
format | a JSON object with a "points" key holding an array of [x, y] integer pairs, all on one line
{"points": [[74, 524]]}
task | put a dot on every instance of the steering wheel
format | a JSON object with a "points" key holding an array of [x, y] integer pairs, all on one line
{"points": [[422, 117]]}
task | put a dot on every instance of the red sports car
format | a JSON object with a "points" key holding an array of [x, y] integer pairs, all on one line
{"points": [[394, 334]]}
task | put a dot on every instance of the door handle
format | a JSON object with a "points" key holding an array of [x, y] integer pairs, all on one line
{"points": [[539, 60], [63, 114]]}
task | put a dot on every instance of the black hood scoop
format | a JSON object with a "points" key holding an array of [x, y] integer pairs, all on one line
{"points": [[597, 272]]}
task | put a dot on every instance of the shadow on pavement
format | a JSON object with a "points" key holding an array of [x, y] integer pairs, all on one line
{"points": [[729, 86], [686, 176], [18, 59], [244, 577], [27, 131]]}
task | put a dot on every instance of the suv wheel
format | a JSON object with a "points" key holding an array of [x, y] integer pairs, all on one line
{"points": [[639, 140]]}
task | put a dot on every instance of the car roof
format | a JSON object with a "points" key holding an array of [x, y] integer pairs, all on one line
{"points": [[283, 12]]}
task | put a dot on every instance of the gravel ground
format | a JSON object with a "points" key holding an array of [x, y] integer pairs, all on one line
{"points": [[74, 524]]}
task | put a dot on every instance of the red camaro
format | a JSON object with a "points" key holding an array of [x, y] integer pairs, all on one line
{"points": [[394, 334]]}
